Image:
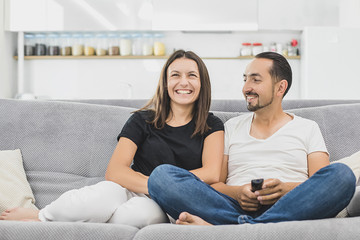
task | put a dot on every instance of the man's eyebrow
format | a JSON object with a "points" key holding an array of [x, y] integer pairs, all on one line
{"points": [[252, 75]]}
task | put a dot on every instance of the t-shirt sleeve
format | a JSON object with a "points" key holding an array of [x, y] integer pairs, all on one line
{"points": [[316, 141], [214, 123], [134, 129], [226, 138]]}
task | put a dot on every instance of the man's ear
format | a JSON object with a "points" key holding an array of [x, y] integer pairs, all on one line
{"points": [[281, 87]]}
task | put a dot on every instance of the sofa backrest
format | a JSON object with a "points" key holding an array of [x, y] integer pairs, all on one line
{"points": [[224, 105]]}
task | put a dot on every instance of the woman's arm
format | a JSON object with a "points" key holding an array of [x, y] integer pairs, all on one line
{"points": [[212, 156], [119, 170]]}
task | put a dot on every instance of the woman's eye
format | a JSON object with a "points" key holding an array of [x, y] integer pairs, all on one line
{"points": [[193, 75], [174, 75]]}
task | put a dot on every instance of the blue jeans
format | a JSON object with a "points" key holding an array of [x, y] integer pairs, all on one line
{"points": [[323, 195]]}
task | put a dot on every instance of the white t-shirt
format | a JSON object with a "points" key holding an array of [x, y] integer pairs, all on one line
{"points": [[282, 155]]}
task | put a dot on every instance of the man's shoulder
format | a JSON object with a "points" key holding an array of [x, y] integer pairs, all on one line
{"points": [[239, 119], [304, 121]]}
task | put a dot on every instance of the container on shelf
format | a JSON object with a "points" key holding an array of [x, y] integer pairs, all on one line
{"points": [[159, 45], [53, 44], [65, 44], [257, 48], [272, 47], [136, 44], [40, 44], [101, 44], [29, 44], [125, 45], [89, 44], [246, 49], [292, 48], [147, 44], [113, 48], [77, 45]]}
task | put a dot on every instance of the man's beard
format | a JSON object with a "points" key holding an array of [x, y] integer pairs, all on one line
{"points": [[258, 105]]}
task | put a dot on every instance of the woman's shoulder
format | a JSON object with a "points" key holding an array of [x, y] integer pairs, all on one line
{"points": [[143, 115]]}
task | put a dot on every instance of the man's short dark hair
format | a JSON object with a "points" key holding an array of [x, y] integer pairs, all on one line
{"points": [[280, 68]]}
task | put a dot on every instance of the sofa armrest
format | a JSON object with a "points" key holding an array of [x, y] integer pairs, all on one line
{"points": [[354, 206]]}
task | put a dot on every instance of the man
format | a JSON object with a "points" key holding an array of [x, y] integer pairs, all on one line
{"points": [[287, 151]]}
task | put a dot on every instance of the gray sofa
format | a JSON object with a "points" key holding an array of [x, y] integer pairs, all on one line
{"points": [[67, 144]]}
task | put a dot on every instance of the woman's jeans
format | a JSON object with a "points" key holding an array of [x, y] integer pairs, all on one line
{"points": [[323, 195]]}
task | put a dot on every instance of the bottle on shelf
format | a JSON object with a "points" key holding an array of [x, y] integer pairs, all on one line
{"points": [[147, 45], [257, 48], [159, 45], [136, 44], [40, 44], [125, 45], [53, 45], [65, 44], [113, 48], [292, 48], [78, 45], [29, 44], [246, 49], [101, 44], [89, 44]]}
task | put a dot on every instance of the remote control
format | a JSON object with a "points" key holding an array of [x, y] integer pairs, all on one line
{"points": [[256, 184]]}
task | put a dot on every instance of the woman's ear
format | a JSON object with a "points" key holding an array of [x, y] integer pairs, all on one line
{"points": [[282, 86]]}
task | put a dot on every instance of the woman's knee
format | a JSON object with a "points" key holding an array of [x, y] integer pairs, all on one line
{"points": [[139, 212]]}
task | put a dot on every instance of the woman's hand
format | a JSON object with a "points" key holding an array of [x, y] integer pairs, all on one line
{"points": [[273, 190]]}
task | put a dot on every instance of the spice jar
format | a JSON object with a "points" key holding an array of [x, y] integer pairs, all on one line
{"points": [[40, 44], [53, 45], [246, 49], [113, 49], [89, 45], [78, 45], [101, 45], [147, 45], [65, 44], [257, 48], [125, 45], [159, 46], [29, 44]]}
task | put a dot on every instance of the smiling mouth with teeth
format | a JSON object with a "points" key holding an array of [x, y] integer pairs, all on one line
{"points": [[183, 91]]}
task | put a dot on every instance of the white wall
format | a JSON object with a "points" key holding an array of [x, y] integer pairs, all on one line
{"points": [[7, 63]]}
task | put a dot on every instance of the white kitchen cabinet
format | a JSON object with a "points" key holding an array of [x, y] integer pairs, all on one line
{"points": [[295, 14], [205, 15], [79, 15]]}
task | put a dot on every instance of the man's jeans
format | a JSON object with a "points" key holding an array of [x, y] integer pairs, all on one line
{"points": [[323, 195]]}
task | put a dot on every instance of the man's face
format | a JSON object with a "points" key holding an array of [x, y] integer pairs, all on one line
{"points": [[258, 85]]}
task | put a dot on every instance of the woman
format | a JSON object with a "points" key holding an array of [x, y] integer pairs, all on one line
{"points": [[175, 127]]}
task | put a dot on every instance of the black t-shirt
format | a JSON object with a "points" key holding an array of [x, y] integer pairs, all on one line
{"points": [[169, 145]]}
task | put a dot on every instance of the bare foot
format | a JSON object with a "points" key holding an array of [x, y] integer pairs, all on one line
{"points": [[186, 218], [20, 214]]}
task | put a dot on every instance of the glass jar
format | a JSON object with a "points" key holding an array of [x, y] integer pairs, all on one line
{"points": [[113, 48], [65, 44], [272, 47], [257, 48], [246, 49], [136, 44], [159, 45], [89, 45], [53, 45], [77, 45], [40, 44], [29, 44], [147, 45], [125, 45], [101, 44]]}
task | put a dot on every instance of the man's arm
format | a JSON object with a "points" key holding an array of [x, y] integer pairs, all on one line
{"points": [[243, 194]]}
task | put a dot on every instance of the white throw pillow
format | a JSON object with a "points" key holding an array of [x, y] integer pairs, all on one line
{"points": [[353, 162], [15, 190]]}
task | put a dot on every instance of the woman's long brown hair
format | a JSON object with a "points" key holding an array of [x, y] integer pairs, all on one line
{"points": [[160, 102]]}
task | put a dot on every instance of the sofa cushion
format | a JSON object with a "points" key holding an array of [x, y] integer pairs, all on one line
{"points": [[15, 190]]}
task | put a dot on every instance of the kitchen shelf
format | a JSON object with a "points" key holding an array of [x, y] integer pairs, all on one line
{"points": [[133, 57]]}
